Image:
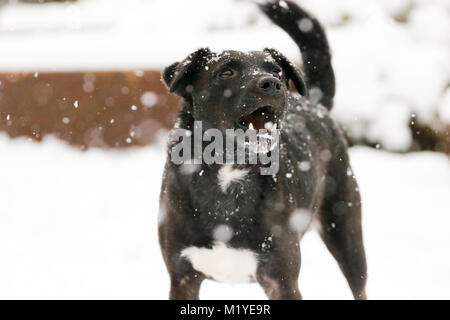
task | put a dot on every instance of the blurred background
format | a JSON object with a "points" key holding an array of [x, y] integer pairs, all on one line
{"points": [[84, 118]]}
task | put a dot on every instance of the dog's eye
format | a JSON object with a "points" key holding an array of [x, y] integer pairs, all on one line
{"points": [[276, 74], [226, 73]]}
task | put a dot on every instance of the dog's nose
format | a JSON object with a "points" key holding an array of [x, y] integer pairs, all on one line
{"points": [[269, 85]]}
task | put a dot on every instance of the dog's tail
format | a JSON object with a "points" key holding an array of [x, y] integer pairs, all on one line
{"points": [[310, 37]]}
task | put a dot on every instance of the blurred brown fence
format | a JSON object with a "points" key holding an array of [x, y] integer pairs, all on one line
{"points": [[101, 109]]}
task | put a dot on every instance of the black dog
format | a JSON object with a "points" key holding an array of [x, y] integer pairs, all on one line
{"points": [[229, 222]]}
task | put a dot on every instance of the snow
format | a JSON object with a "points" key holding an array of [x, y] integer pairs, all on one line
{"points": [[223, 233], [149, 99], [304, 165], [300, 220], [106, 34], [444, 109], [66, 120], [83, 225]]}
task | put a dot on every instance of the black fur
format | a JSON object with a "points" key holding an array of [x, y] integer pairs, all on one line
{"points": [[258, 208], [292, 73], [177, 75]]}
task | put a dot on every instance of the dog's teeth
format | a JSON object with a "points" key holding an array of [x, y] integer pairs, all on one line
{"points": [[268, 125], [250, 126]]}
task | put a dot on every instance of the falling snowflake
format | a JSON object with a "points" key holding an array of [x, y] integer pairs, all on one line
{"points": [[305, 25], [325, 155], [300, 220], [149, 98], [223, 233], [227, 93], [304, 166]]}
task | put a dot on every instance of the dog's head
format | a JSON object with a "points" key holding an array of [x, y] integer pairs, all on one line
{"points": [[233, 89]]}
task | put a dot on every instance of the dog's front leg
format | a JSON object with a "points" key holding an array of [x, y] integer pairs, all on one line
{"points": [[278, 276], [185, 282], [278, 287]]}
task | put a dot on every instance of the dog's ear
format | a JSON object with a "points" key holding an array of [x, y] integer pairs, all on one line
{"points": [[292, 73], [178, 75]]}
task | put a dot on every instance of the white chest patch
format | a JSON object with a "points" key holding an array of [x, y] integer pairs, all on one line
{"points": [[223, 264], [227, 175]]}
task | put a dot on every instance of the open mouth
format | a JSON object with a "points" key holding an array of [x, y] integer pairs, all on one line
{"points": [[261, 118]]}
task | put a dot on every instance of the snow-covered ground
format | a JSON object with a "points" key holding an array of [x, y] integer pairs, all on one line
{"points": [[391, 57], [83, 225]]}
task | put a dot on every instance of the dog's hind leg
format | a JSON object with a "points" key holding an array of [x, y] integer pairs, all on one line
{"points": [[340, 222]]}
